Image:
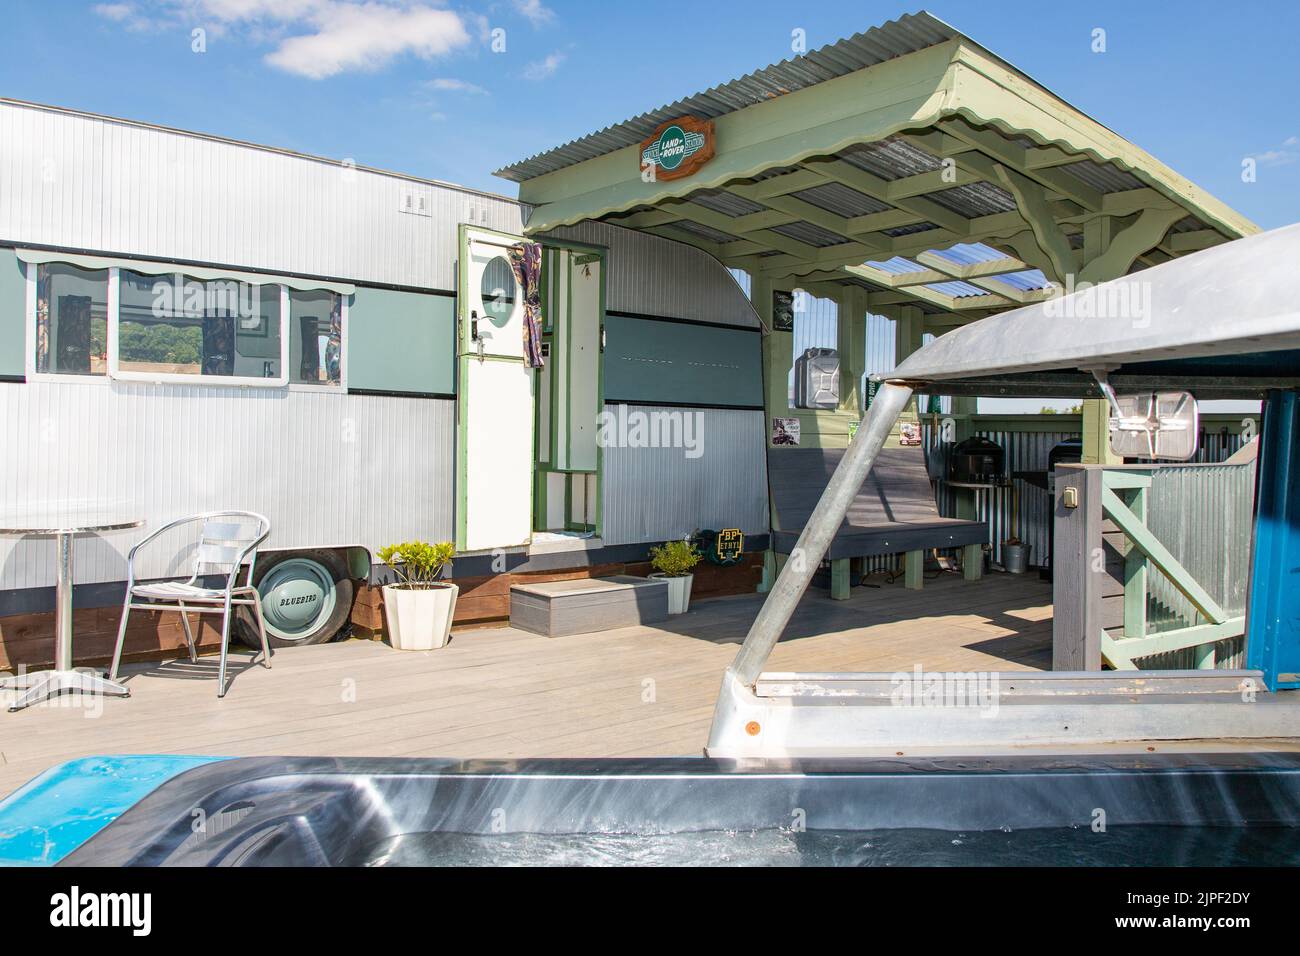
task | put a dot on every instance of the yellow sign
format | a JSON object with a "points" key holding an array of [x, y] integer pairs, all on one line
{"points": [[731, 544]]}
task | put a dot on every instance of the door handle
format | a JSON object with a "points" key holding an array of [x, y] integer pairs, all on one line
{"points": [[473, 325]]}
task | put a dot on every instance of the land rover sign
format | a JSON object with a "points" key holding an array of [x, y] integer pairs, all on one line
{"points": [[678, 148]]}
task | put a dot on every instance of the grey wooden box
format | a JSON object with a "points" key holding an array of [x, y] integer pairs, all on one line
{"points": [[586, 605]]}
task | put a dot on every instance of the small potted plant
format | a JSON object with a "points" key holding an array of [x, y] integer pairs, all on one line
{"points": [[418, 609], [673, 561]]}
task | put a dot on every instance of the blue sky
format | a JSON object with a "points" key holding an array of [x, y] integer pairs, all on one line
{"points": [[416, 87]]}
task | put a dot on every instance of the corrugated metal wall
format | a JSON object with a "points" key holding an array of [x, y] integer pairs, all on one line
{"points": [[1204, 516], [84, 182], [654, 494], [1028, 451], [326, 469], [651, 275]]}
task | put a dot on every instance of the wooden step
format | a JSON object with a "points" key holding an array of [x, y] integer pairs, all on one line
{"points": [[587, 605]]}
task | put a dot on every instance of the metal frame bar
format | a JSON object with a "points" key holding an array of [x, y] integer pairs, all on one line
{"points": [[817, 534]]}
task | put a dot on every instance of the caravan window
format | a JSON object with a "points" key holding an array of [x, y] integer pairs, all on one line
{"points": [[176, 325], [315, 337], [71, 320]]}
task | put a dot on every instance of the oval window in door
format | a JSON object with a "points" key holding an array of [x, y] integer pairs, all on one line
{"points": [[498, 290]]}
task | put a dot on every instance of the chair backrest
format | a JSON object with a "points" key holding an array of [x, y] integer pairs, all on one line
{"points": [[224, 537]]}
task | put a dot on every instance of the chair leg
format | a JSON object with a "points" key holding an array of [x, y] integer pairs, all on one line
{"points": [[121, 635], [225, 647], [261, 629], [189, 634]]}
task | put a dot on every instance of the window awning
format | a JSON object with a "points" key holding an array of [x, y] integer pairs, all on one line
{"points": [[153, 267], [907, 161]]}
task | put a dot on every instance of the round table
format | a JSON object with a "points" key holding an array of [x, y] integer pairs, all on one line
{"points": [[64, 527]]}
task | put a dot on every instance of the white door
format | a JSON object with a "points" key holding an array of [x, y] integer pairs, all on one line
{"points": [[495, 399]]}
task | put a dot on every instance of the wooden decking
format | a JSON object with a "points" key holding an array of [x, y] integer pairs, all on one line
{"points": [[505, 693]]}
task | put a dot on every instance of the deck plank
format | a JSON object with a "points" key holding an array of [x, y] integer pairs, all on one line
{"points": [[502, 693]]}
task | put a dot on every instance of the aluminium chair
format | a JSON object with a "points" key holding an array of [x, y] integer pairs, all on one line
{"points": [[227, 542]]}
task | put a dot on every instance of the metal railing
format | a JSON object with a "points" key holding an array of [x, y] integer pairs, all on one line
{"points": [[1153, 564]]}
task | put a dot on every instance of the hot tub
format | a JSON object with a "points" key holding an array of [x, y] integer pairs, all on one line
{"points": [[1152, 809]]}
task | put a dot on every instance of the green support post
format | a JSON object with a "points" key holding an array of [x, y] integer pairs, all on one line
{"points": [[769, 571], [972, 562], [914, 570], [1135, 572], [840, 583]]}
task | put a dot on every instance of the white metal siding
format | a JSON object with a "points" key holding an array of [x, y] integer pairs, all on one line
{"points": [[86, 182], [651, 275], [655, 494], [326, 469]]}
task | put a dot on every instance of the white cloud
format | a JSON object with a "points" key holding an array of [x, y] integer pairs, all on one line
{"points": [[117, 12], [535, 11], [541, 69], [455, 86], [367, 36], [317, 38], [1284, 155]]}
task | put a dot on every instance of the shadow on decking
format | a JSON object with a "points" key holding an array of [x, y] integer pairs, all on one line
{"points": [[1002, 616]]}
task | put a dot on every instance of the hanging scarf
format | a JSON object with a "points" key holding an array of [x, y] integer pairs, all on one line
{"points": [[526, 263]]}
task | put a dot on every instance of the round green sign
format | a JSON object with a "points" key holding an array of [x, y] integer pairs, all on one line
{"points": [[672, 147]]}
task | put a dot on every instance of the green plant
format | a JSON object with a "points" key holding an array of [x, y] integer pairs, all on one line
{"points": [[675, 559], [418, 564]]}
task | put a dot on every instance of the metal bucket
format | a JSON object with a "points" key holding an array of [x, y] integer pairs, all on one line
{"points": [[1015, 558]]}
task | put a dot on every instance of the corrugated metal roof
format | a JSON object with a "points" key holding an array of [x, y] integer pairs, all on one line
{"points": [[974, 200], [969, 253], [727, 203], [908, 34], [1027, 280], [812, 234], [1102, 177], [897, 266], [891, 158], [957, 289], [841, 200], [699, 229]]}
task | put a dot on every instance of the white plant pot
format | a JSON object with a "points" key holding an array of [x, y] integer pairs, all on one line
{"points": [[419, 620], [679, 592]]}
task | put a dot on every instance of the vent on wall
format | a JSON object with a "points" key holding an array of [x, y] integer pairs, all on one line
{"points": [[416, 204]]}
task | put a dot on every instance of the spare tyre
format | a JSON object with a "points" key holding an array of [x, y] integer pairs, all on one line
{"points": [[306, 599]]}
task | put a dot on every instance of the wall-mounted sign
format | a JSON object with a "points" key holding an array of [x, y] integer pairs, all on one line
{"points": [[678, 148], [730, 546], [785, 431], [782, 311]]}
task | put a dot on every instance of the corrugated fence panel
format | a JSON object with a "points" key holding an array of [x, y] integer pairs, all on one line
{"points": [[326, 469], [654, 494], [1028, 451], [651, 275], [87, 182], [1204, 516]]}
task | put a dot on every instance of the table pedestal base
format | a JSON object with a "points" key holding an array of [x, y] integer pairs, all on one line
{"points": [[43, 685]]}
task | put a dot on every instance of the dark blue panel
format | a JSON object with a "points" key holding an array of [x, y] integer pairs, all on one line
{"points": [[684, 363]]}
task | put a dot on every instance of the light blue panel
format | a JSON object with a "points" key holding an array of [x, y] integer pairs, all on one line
{"points": [[660, 362], [401, 342], [13, 309], [50, 816]]}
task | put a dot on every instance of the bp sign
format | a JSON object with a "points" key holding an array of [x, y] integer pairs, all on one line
{"points": [[678, 148]]}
